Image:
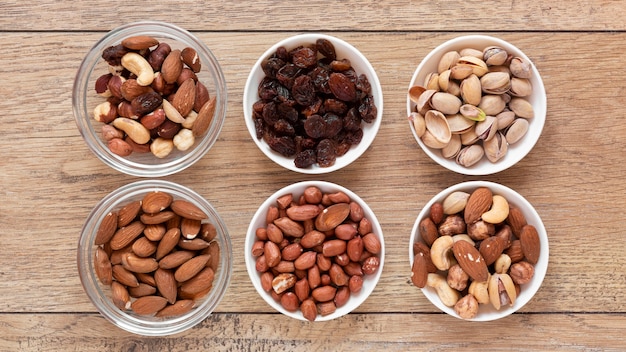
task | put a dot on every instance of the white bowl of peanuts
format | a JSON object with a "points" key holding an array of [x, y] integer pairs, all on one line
{"points": [[314, 251], [478, 251], [149, 98], [154, 257]]}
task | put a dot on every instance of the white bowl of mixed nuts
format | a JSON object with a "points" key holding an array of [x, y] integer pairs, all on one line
{"points": [[149, 99], [154, 257], [313, 103], [478, 251], [314, 251], [476, 105]]}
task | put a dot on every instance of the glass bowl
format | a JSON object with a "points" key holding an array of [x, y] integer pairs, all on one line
{"points": [[85, 99], [101, 295]]}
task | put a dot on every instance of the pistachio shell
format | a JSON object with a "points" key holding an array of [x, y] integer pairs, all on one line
{"points": [[505, 119], [494, 55], [470, 155], [423, 101], [459, 124], [448, 60], [496, 148], [418, 123], [469, 137], [522, 108], [455, 202], [430, 141], [454, 88], [471, 52], [437, 125], [495, 82], [500, 68], [432, 81], [520, 87], [472, 112], [415, 92], [453, 147], [501, 287], [517, 130], [446, 103], [492, 104], [444, 80], [479, 67], [487, 128], [520, 67], [461, 71], [471, 90]]}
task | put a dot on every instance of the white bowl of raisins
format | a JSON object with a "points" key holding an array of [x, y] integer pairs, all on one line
{"points": [[313, 103]]}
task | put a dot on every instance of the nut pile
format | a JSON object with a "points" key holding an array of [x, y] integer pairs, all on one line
{"points": [[314, 251], [475, 105], [312, 104], [158, 255], [154, 100], [475, 249]]}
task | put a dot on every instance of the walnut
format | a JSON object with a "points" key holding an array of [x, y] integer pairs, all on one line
{"points": [[457, 278]]}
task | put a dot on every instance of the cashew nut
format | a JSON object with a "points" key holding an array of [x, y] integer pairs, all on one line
{"points": [[441, 252], [502, 264], [134, 129], [479, 289], [161, 147], [138, 65], [498, 212], [447, 294], [184, 139], [463, 237], [501, 290]]}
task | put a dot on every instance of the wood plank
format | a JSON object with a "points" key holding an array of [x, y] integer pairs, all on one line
{"points": [[355, 332], [350, 15]]}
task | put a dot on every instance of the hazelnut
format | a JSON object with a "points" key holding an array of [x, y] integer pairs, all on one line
{"points": [[452, 225], [522, 272], [480, 230], [467, 307], [457, 278]]}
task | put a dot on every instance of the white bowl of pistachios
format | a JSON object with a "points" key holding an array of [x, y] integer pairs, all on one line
{"points": [[476, 105]]}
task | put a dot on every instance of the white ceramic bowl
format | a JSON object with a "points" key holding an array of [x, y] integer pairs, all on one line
{"points": [[258, 221], [359, 63], [486, 311], [516, 151]]}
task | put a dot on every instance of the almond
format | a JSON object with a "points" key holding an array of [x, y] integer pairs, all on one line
{"points": [[140, 42], [477, 203], [214, 251], [195, 244], [157, 218], [419, 270], [208, 231], [332, 216], [205, 117], [120, 296], [515, 251], [190, 228], [167, 243], [188, 210], [289, 227], [303, 212], [191, 59], [128, 213], [428, 231], [154, 202], [142, 290], [516, 220], [172, 66], [143, 247], [124, 276], [202, 282], [179, 307], [135, 264], [531, 247], [184, 97], [148, 305], [491, 248], [470, 260], [154, 232], [175, 259], [191, 267], [166, 283], [107, 228], [102, 266], [202, 96], [125, 235]]}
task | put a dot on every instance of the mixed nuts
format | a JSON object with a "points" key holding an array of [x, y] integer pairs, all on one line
{"points": [[159, 255], [475, 249], [314, 251], [154, 100], [475, 105]]}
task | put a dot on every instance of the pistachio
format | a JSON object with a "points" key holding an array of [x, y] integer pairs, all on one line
{"points": [[496, 147], [446, 103], [505, 119], [479, 67], [495, 82], [461, 71], [501, 290], [471, 52], [455, 202], [423, 100], [495, 55], [471, 89], [459, 123], [432, 142], [432, 81], [470, 155], [492, 104], [448, 60], [469, 137], [517, 130], [415, 92], [437, 125], [520, 87], [451, 150], [520, 67], [418, 123], [522, 108], [472, 112], [487, 128], [444, 80]]}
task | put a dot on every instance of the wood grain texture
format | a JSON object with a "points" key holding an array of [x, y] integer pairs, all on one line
{"points": [[49, 180]]}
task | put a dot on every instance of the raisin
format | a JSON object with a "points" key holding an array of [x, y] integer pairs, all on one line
{"points": [[304, 57], [325, 153], [146, 103], [283, 127], [342, 87], [340, 65], [305, 158], [352, 120], [342, 148], [287, 74], [335, 106], [113, 54], [367, 109], [363, 85], [287, 112], [333, 125], [268, 89], [283, 145], [270, 113], [326, 48], [271, 66], [282, 53], [258, 128], [320, 78], [315, 126], [313, 108], [303, 91]]}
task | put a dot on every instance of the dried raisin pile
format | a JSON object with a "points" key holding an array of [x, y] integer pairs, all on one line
{"points": [[312, 104]]}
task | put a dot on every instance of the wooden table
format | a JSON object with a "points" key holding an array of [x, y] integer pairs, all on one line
{"points": [[574, 176]]}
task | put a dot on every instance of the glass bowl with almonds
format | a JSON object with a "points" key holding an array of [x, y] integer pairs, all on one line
{"points": [[149, 99], [154, 257]]}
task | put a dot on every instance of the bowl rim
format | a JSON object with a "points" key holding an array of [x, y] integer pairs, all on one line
{"points": [[81, 87], [528, 290], [355, 299], [485, 167], [370, 129], [96, 292]]}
